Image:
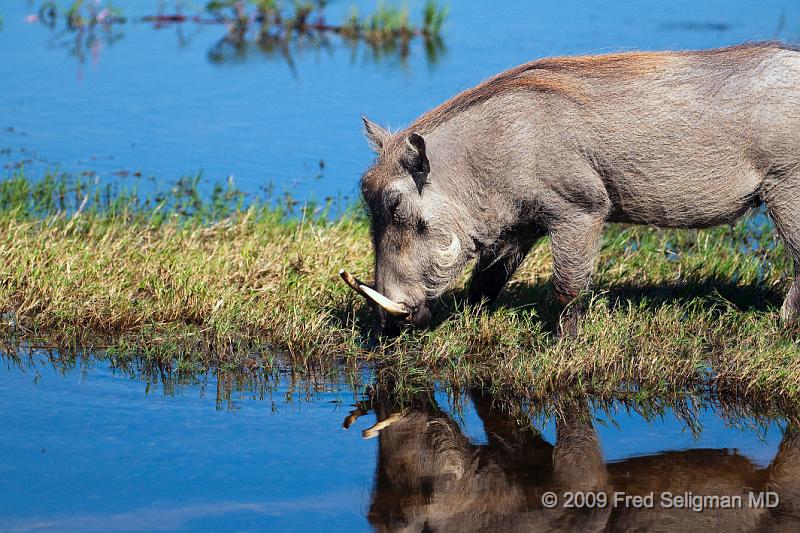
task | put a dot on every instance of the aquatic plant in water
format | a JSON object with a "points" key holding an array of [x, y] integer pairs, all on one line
{"points": [[80, 14], [92, 23], [270, 24], [275, 23]]}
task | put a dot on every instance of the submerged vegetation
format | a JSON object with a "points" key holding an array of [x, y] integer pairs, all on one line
{"points": [[186, 280], [272, 25]]}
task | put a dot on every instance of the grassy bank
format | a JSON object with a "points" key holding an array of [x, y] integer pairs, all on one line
{"points": [[235, 282]]}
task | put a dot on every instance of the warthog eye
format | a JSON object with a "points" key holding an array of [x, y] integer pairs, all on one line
{"points": [[393, 203]]}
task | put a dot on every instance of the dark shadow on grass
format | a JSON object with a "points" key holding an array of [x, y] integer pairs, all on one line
{"points": [[705, 294], [708, 294]]}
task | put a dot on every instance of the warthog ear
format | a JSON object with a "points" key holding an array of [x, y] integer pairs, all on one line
{"points": [[377, 137], [416, 161]]}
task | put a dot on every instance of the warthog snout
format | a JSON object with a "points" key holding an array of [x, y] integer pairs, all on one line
{"points": [[418, 316]]}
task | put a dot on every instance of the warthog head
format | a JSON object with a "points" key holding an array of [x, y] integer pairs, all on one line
{"points": [[420, 233]]}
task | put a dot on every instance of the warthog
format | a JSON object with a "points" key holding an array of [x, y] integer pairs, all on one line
{"points": [[561, 146]]}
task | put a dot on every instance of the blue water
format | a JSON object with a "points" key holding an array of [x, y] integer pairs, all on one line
{"points": [[152, 101], [93, 449]]}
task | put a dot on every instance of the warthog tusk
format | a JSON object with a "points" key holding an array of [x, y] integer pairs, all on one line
{"points": [[393, 308], [383, 424]]}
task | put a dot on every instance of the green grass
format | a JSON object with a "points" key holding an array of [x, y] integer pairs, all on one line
{"points": [[233, 282]]}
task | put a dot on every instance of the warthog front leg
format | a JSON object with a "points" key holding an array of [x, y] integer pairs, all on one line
{"points": [[575, 243]]}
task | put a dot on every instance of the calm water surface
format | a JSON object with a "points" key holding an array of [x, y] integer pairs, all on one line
{"points": [[95, 449], [153, 100]]}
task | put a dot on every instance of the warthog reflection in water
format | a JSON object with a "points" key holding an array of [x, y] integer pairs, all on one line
{"points": [[430, 477]]}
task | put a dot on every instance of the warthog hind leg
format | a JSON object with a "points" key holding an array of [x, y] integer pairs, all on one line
{"points": [[783, 203]]}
